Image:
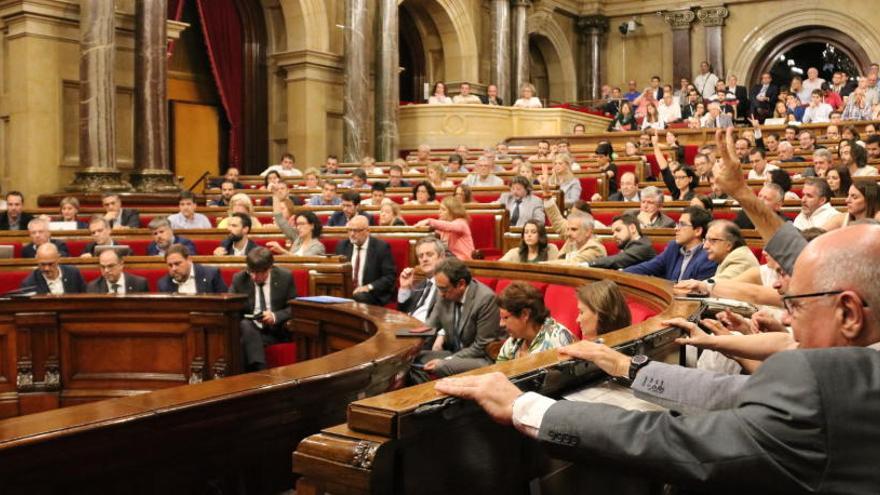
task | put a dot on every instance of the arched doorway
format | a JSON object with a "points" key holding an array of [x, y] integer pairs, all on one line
{"points": [[538, 72], [412, 60], [811, 46]]}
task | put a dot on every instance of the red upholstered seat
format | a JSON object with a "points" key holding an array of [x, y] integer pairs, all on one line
{"points": [[639, 311], [690, 151], [589, 187], [659, 246], [12, 280], [605, 216], [561, 300], [280, 354], [75, 247], [485, 198], [622, 168], [611, 247], [16, 248], [488, 281], [206, 247], [724, 215], [152, 276], [652, 161], [503, 283]]}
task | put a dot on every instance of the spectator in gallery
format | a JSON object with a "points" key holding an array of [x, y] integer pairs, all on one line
{"points": [[464, 97], [492, 97], [438, 95], [527, 98]]}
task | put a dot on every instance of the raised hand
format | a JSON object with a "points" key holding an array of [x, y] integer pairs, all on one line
{"points": [[728, 171]]}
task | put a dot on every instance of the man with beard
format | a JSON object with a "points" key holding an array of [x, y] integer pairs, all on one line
{"points": [[633, 247], [237, 244], [186, 277]]}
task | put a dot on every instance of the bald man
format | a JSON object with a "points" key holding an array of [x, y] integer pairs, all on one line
{"points": [[373, 268], [50, 277], [725, 245]]}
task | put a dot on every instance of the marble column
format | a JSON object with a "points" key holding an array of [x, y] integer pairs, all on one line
{"points": [[357, 85], [680, 22], [713, 19], [97, 100], [150, 106], [387, 80], [590, 76], [520, 46], [501, 49]]}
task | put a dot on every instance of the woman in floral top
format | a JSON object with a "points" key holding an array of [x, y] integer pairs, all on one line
{"points": [[528, 322]]}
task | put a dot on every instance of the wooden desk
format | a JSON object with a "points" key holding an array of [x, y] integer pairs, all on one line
{"points": [[58, 351]]}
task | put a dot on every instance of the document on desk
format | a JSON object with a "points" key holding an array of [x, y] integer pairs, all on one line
{"points": [[612, 393]]}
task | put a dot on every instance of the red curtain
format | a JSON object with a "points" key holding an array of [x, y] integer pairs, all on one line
{"points": [[221, 25]]}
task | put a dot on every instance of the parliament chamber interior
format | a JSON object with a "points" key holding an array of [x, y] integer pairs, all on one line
{"points": [[439, 246]]}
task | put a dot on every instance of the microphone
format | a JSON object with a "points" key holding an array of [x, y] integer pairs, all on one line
{"points": [[26, 291]]}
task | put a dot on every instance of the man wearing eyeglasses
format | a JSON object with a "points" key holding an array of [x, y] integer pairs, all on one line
{"points": [[373, 269], [50, 277], [113, 279], [726, 246], [651, 214], [269, 288], [684, 258]]}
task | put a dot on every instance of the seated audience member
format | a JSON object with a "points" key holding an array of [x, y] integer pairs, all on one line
{"points": [[543, 151], [303, 238], [377, 194], [816, 207], [237, 242], [14, 218], [187, 218], [604, 152], [602, 309], [417, 299], [682, 182], [724, 245], [807, 142], [227, 191], [862, 202], [528, 323], [455, 164], [438, 95], [241, 203], [423, 194], [533, 247], [525, 169], [684, 258], [521, 203], [270, 181], [669, 110], [164, 238], [872, 146], [625, 120], [563, 178], [839, 180], [311, 179], [186, 277], [771, 195], [652, 119], [822, 162], [50, 277], [389, 214], [502, 152], [465, 97], [69, 211], [269, 289], [113, 279], [580, 244], [527, 98], [395, 174], [38, 230], [117, 216], [101, 233], [351, 202], [466, 318], [715, 117], [858, 163], [702, 201], [782, 179], [357, 180], [328, 196], [760, 167], [436, 175], [785, 153], [492, 97], [453, 228], [629, 189], [373, 269], [464, 193], [232, 174], [651, 214], [817, 111], [634, 248], [286, 168], [331, 165], [482, 175]]}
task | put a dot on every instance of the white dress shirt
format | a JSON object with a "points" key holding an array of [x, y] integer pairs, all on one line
{"points": [[56, 286], [188, 286], [421, 313], [359, 276], [817, 219], [120, 282]]}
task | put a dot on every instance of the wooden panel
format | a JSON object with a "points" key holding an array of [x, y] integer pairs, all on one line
{"points": [[195, 143]]}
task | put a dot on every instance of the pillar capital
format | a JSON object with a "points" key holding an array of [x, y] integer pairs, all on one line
{"points": [[713, 16], [593, 24], [521, 3], [679, 19]]}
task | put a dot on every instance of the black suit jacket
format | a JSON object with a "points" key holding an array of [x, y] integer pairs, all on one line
{"points": [[618, 196], [409, 305], [30, 251], [22, 223], [742, 99], [71, 278], [128, 217], [485, 100], [208, 281], [227, 245], [766, 106], [380, 269], [133, 284], [283, 289]]}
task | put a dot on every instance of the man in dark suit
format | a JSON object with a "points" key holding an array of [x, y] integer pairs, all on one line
{"points": [[351, 201], [466, 318], [628, 190], [113, 279], [238, 243], [164, 238], [38, 230], [14, 218], [763, 97], [633, 247], [417, 299], [117, 216], [491, 97], [99, 227], [186, 277], [269, 288], [373, 268], [52, 278], [231, 176]]}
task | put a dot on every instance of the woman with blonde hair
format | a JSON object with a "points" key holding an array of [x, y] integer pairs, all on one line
{"points": [[389, 214], [527, 98], [602, 309], [453, 227], [311, 179], [436, 174], [240, 203], [563, 177], [368, 165]]}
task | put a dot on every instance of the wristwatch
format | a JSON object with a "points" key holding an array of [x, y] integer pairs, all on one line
{"points": [[710, 284], [637, 362]]}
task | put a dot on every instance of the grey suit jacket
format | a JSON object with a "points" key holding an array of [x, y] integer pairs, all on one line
{"points": [[805, 422], [531, 208], [688, 390], [479, 322]]}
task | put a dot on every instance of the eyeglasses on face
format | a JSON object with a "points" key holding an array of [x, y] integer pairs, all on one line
{"points": [[791, 302], [682, 225]]}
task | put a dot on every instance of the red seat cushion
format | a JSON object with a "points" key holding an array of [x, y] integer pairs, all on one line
{"points": [[611, 247], [639, 311], [488, 281], [589, 187], [12, 280], [503, 283], [690, 151], [605, 216], [561, 300], [724, 215], [280, 354]]}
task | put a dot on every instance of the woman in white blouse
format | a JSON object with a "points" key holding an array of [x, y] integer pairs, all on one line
{"points": [[438, 96], [527, 98]]}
